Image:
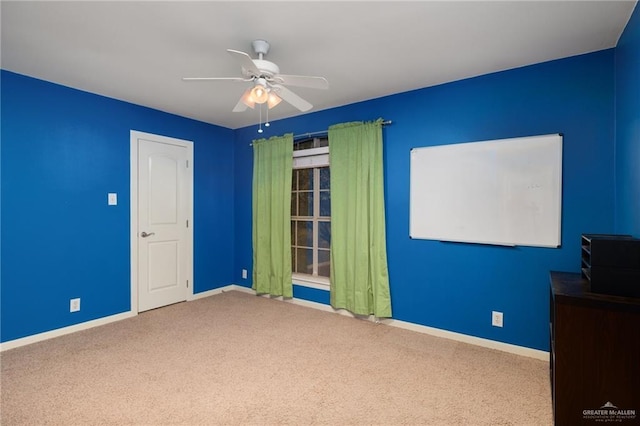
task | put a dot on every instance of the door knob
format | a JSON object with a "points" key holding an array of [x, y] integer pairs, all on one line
{"points": [[143, 234]]}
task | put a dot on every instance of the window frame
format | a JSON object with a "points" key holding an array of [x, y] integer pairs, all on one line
{"points": [[312, 158]]}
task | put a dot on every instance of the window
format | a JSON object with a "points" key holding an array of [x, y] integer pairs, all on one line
{"points": [[311, 212]]}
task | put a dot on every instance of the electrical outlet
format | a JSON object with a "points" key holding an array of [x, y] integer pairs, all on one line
{"points": [[244, 274], [496, 319], [74, 305]]}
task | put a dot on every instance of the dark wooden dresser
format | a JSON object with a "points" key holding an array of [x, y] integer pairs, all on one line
{"points": [[594, 354]]}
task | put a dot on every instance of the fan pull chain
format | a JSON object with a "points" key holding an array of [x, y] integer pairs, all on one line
{"points": [[260, 123], [266, 123]]}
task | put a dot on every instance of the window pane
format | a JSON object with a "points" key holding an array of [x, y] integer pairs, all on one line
{"points": [[321, 142], [294, 204], [293, 234], [325, 178], [325, 203], [303, 144], [305, 179], [305, 204], [324, 265], [304, 261], [324, 234], [294, 265], [294, 180], [304, 233]]}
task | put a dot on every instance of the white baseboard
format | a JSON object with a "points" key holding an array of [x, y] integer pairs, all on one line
{"points": [[34, 338], [465, 338], [478, 341], [213, 292], [459, 337]]}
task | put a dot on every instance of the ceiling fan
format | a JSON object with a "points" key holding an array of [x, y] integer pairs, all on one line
{"points": [[268, 85]]}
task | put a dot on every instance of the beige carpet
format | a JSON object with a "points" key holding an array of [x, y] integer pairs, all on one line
{"points": [[238, 359]]}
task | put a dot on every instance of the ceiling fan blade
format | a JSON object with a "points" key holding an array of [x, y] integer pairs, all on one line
{"points": [[246, 62], [215, 78], [244, 102], [304, 81], [292, 98]]}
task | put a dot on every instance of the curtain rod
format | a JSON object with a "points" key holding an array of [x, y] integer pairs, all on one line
{"points": [[324, 132]]}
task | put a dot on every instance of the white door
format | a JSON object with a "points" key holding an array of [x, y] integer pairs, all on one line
{"points": [[164, 197]]}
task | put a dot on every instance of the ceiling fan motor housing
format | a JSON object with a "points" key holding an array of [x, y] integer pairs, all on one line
{"points": [[267, 69]]}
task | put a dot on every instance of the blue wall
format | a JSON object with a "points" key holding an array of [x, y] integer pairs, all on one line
{"points": [[456, 286], [63, 150], [628, 128]]}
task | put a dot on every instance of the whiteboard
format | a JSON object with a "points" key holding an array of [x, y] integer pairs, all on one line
{"points": [[502, 192]]}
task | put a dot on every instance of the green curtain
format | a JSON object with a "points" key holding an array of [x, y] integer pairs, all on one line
{"points": [[359, 274], [272, 169]]}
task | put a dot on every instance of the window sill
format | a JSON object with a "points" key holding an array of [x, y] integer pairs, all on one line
{"points": [[320, 283]]}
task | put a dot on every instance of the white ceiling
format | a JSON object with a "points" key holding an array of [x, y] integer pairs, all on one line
{"points": [[139, 51]]}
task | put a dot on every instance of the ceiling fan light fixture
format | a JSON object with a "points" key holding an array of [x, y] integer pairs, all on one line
{"points": [[260, 93], [273, 100], [247, 99]]}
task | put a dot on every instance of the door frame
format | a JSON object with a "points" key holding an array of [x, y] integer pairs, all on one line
{"points": [[134, 231]]}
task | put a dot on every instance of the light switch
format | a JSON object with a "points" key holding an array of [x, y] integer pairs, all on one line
{"points": [[113, 199]]}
